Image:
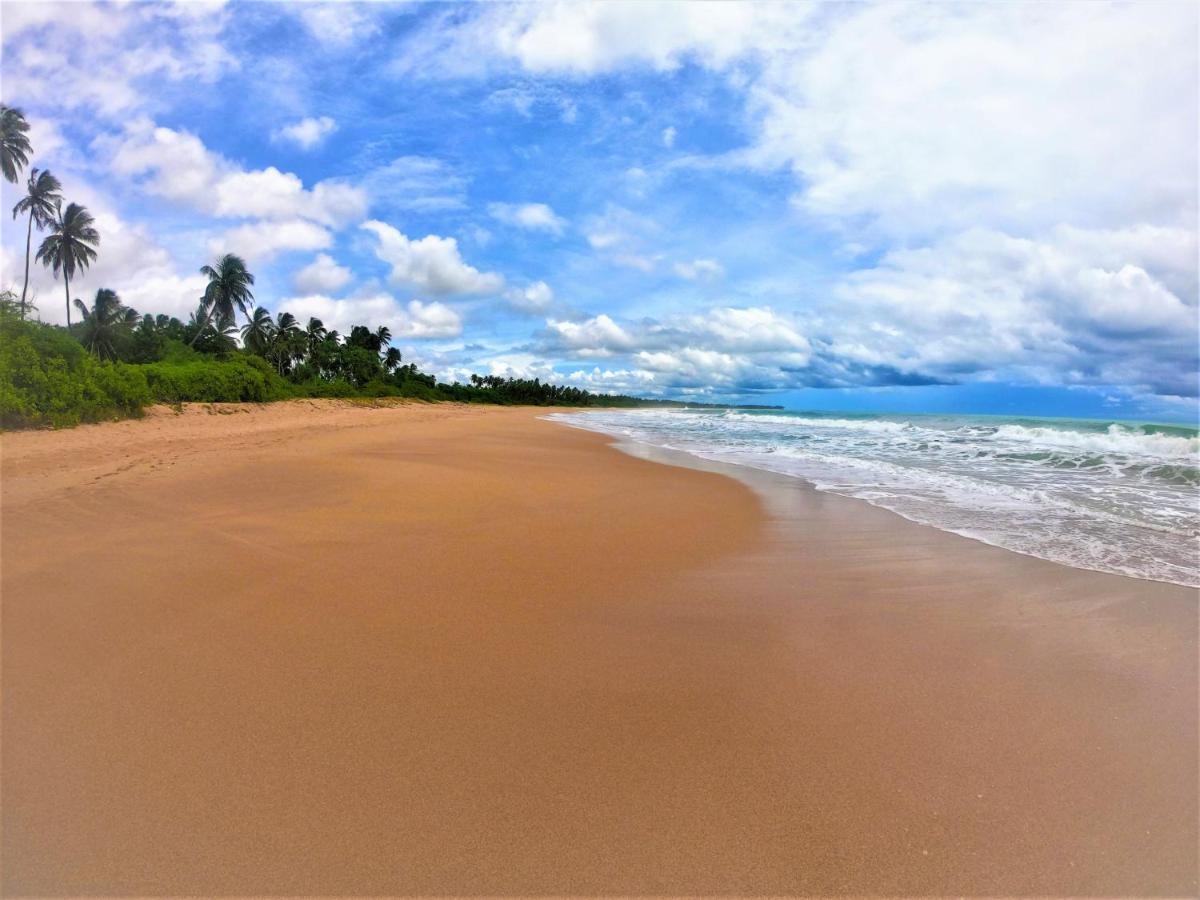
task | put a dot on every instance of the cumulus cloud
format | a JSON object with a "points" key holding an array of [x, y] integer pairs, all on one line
{"points": [[131, 262], [668, 136], [429, 320], [1030, 131], [415, 320], [533, 299], [110, 60], [321, 276], [431, 263], [176, 165], [1080, 306], [529, 216], [1027, 226], [598, 336], [588, 39], [262, 241], [306, 133], [724, 348]]}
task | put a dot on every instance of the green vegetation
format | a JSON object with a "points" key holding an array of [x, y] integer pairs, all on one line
{"points": [[114, 362]]}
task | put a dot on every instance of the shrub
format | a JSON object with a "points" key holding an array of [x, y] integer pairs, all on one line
{"points": [[236, 380], [48, 379]]}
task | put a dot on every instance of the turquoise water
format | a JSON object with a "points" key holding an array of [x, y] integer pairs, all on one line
{"points": [[1119, 497]]}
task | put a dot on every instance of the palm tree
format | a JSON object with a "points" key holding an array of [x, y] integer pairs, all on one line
{"points": [[258, 332], [104, 323], [70, 245], [391, 359], [41, 202], [287, 341], [314, 334], [218, 335], [383, 334], [228, 286], [14, 142]]}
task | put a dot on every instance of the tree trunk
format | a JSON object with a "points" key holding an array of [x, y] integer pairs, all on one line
{"points": [[28, 238], [67, 284], [203, 325]]}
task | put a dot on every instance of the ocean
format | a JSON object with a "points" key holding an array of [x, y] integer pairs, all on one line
{"points": [[1115, 497]]}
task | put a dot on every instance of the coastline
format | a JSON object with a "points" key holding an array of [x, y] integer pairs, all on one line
{"points": [[560, 669]]}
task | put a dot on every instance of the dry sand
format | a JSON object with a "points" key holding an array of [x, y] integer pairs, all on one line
{"points": [[319, 649]]}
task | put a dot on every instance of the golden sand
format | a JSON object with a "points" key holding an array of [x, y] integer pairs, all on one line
{"points": [[326, 649]]}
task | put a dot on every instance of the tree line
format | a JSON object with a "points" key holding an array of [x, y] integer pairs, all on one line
{"points": [[306, 359]]}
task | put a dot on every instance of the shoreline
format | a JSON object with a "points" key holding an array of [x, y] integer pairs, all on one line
{"points": [[562, 669], [671, 456], [1104, 565]]}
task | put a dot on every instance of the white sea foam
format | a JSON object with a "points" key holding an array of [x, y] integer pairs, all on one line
{"points": [[1104, 496]]}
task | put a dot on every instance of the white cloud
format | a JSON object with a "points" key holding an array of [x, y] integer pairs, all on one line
{"points": [[262, 241], [177, 165], [417, 184], [415, 320], [534, 299], [321, 276], [306, 133], [431, 263], [596, 337], [722, 348], [110, 60], [927, 118], [530, 216], [699, 269], [531, 98], [338, 24], [668, 136], [130, 262], [591, 38], [429, 320], [1090, 307]]}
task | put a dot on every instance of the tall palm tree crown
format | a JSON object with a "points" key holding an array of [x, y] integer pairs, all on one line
{"points": [[105, 323], [14, 142], [41, 202], [257, 333], [70, 246], [315, 333], [228, 289], [288, 341]]}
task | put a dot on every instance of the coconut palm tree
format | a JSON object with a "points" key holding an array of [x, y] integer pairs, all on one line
{"points": [[228, 287], [288, 341], [217, 334], [41, 201], [258, 332], [14, 142], [383, 334], [314, 334], [105, 323], [391, 359], [70, 246]]}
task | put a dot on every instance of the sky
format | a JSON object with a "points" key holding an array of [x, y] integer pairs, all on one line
{"points": [[985, 207]]}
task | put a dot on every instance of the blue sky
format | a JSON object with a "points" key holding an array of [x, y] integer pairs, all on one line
{"points": [[984, 206]]}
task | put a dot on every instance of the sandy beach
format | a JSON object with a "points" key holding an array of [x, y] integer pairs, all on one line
{"points": [[319, 648]]}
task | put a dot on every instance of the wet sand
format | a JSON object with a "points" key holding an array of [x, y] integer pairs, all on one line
{"points": [[320, 649]]}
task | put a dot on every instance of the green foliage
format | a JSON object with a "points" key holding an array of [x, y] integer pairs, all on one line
{"points": [[241, 379], [48, 379]]}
